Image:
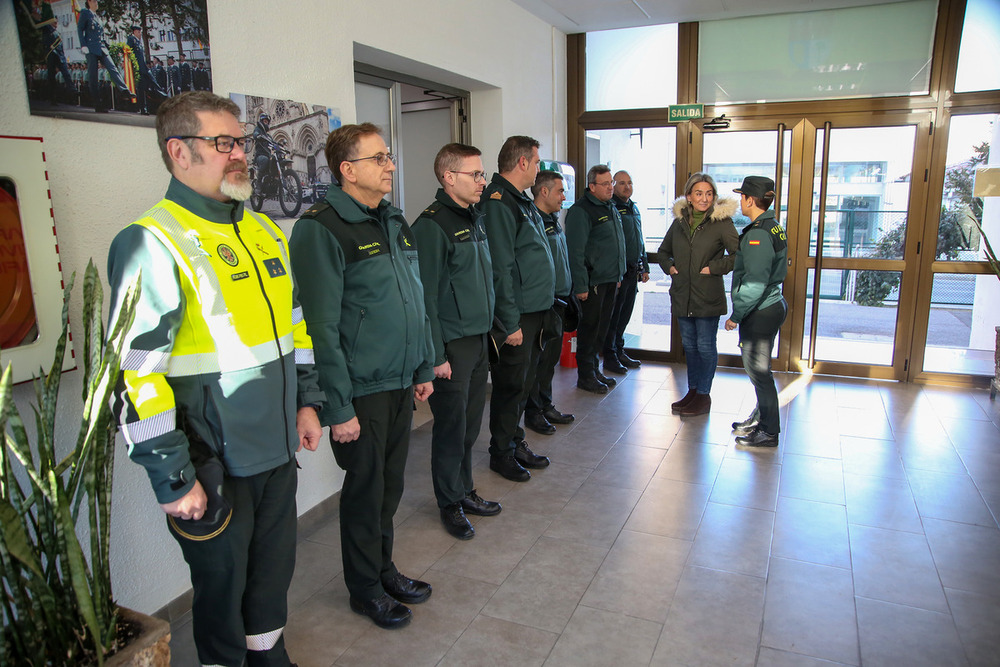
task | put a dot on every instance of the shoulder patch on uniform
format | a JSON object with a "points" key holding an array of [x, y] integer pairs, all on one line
{"points": [[316, 209], [433, 208], [496, 195]]}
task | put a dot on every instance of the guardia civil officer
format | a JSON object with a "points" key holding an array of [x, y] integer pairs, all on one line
{"points": [[759, 308], [596, 245], [457, 274], [540, 413], [147, 83], [356, 259], [214, 408], [524, 282], [90, 32]]}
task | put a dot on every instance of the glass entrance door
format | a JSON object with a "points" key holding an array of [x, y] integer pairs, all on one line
{"points": [[852, 308]]}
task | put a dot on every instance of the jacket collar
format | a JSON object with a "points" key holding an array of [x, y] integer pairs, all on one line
{"points": [[504, 184], [445, 199], [350, 209], [589, 196], [202, 206], [622, 202]]}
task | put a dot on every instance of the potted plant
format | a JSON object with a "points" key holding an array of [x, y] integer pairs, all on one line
{"points": [[57, 603]]}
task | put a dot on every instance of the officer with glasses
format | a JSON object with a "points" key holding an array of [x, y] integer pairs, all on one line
{"points": [[356, 260], [215, 408]]}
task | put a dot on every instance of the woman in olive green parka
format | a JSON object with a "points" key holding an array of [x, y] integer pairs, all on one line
{"points": [[698, 249]]}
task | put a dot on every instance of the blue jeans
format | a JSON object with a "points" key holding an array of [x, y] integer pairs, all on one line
{"points": [[698, 336]]}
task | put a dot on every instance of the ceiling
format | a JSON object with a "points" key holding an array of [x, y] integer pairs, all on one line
{"points": [[573, 16]]}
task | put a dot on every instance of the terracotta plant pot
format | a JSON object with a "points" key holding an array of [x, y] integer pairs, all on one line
{"points": [[150, 649]]}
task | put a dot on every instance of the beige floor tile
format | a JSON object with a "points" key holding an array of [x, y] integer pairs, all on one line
{"points": [[734, 539], [872, 458], [812, 478], [747, 483], [548, 490], [949, 497], [919, 454], [669, 508], [893, 635], [895, 566], [491, 642], [882, 503], [595, 515], [315, 566], [420, 541], [770, 657], [966, 556], [809, 609], [595, 637], [976, 620], [803, 437], [714, 620], [500, 543], [692, 462], [864, 422], [812, 532], [968, 434], [627, 467], [545, 588], [652, 431], [639, 576], [323, 627]]}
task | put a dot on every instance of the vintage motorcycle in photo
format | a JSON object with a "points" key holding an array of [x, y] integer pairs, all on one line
{"points": [[279, 181]]}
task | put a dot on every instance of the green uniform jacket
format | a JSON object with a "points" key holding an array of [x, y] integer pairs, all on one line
{"points": [[560, 253], [362, 299], [456, 271], [218, 350], [596, 243], [523, 273], [713, 244], [635, 244], [761, 266]]}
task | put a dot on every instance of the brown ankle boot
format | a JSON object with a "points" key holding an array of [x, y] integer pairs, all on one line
{"points": [[700, 405], [676, 406]]}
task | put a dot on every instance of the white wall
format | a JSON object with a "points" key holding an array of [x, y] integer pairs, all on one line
{"points": [[103, 176]]}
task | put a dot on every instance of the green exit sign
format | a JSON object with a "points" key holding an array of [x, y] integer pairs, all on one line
{"points": [[682, 112]]}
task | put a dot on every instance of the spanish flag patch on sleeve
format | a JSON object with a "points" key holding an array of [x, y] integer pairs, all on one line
{"points": [[754, 242]]}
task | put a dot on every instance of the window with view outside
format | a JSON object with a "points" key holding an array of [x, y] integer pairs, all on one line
{"points": [[647, 154], [632, 68], [980, 48], [965, 308]]}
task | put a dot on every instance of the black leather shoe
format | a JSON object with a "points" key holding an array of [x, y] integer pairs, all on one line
{"points": [[474, 504], [610, 382], [556, 417], [745, 426], [592, 385], [758, 438], [407, 590], [385, 611], [612, 365], [627, 361], [539, 424], [677, 406], [455, 522], [507, 466], [528, 458], [701, 404]]}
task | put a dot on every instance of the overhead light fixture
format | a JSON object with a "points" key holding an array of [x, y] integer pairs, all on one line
{"points": [[717, 123]]}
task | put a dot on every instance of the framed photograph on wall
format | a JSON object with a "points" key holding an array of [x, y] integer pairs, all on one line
{"points": [[31, 285], [286, 158], [111, 61]]}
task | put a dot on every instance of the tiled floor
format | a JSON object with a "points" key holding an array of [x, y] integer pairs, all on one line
{"points": [[869, 537]]}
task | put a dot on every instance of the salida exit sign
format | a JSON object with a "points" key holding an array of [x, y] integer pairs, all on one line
{"points": [[682, 112]]}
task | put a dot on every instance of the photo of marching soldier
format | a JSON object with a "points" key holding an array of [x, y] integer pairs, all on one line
{"points": [[103, 60], [287, 164]]}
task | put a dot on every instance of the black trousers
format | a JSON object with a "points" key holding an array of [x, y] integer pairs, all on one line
{"points": [[241, 576], [374, 464], [513, 376], [621, 313], [757, 333], [593, 328], [457, 405], [540, 396]]}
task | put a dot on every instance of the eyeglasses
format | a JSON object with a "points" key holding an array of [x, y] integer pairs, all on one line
{"points": [[223, 143], [609, 184], [381, 159], [476, 175]]}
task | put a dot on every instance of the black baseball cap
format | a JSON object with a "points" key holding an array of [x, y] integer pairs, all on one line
{"points": [[756, 186]]}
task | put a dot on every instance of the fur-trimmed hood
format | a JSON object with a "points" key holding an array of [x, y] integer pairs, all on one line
{"points": [[724, 208]]}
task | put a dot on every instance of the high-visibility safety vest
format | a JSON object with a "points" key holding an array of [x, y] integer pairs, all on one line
{"points": [[218, 359]]}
